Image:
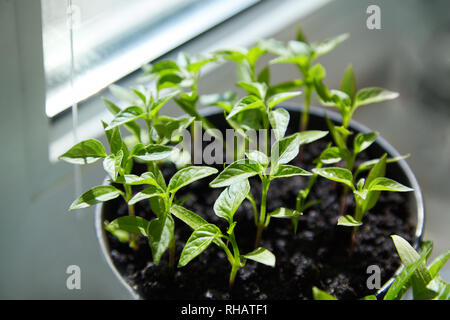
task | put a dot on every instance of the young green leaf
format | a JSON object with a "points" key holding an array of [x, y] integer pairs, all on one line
{"points": [[230, 199], [348, 84], [188, 175], [326, 46], [321, 295], [158, 104], [190, 218], [378, 170], [367, 165], [246, 103], [112, 164], [199, 240], [160, 234], [84, 152], [147, 193], [280, 97], [336, 174], [332, 155], [348, 221], [262, 255], [130, 126], [235, 172], [96, 195], [155, 152], [145, 178], [286, 170], [385, 184], [285, 150], [311, 136], [125, 116], [438, 263], [363, 141], [255, 88], [285, 213], [421, 276], [279, 120], [131, 224], [264, 76], [373, 95], [258, 157]]}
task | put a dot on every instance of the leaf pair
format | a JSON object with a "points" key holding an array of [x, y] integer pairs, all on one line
{"points": [[424, 280], [366, 191], [205, 233], [283, 151], [347, 99]]}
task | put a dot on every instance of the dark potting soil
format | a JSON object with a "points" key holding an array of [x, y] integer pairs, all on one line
{"points": [[318, 255]]}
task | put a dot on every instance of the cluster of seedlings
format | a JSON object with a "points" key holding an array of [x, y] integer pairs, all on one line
{"points": [[154, 136]]}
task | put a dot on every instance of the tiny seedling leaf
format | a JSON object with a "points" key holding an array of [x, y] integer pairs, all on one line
{"points": [[386, 184], [131, 224], [155, 152], [363, 141], [279, 120], [336, 174], [160, 234], [188, 175], [230, 199], [285, 213], [372, 95], [125, 116], [286, 170], [199, 240], [96, 195], [147, 193], [262, 255], [321, 295], [84, 152], [235, 172], [280, 97], [348, 221]]}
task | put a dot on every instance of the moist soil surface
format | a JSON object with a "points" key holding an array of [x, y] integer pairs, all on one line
{"points": [[317, 255]]}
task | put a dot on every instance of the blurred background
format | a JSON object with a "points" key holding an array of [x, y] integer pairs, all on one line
{"points": [[110, 40]]}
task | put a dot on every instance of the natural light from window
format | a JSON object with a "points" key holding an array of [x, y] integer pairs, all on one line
{"points": [[112, 38]]}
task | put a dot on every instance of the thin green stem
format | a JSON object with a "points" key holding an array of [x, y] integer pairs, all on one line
{"points": [[305, 113], [236, 260], [262, 213]]}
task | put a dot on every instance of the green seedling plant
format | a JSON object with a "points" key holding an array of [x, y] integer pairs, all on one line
{"points": [[160, 231], [366, 191], [303, 54], [258, 164], [347, 100], [118, 164], [205, 233], [423, 279], [183, 76]]}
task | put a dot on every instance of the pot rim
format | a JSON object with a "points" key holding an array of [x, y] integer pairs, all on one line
{"points": [[292, 107]]}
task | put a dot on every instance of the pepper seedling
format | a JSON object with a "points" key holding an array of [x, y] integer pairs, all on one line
{"points": [[182, 75], [160, 230], [118, 164], [257, 164], [366, 191], [303, 54], [424, 280], [206, 233], [347, 100]]}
